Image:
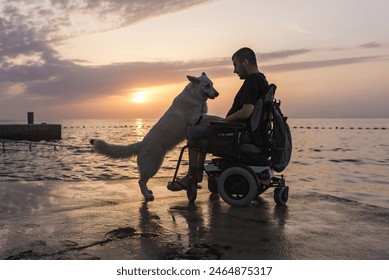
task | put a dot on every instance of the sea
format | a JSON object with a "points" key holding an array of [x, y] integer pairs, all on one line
{"points": [[346, 158]]}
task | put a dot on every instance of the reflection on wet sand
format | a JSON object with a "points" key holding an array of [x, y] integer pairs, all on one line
{"points": [[214, 230], [110, 220]]}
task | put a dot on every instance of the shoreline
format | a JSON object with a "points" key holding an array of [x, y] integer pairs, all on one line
{"points": [[379, 198], [110, 220]]}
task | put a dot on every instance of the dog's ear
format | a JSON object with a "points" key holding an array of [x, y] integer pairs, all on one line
{"points": [[193, 79], [203, 74]]}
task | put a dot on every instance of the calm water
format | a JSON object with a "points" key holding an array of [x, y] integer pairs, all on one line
{"points": [[343, 157]]}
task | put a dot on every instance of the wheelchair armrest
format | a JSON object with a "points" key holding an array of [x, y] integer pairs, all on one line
{"points": [[225, 124]]}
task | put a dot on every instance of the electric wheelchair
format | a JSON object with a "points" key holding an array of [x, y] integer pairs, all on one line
{"points": [[241, 166]]}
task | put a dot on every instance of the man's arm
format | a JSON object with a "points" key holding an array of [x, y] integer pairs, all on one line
{"points": [[241, 115]]}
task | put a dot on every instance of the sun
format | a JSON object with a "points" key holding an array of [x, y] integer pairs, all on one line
{"points": [[138, 97]]}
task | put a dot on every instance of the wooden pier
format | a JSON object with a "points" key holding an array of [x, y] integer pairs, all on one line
{"points": [[30, 131]]}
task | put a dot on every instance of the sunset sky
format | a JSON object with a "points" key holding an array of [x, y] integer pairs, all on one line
{"points": [[129, 59]]}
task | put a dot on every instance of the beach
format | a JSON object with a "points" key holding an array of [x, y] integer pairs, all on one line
{"points": [[109, 220], [67, 202]]}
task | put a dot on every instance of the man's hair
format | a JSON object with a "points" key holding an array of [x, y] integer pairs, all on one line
{"points": [[245, 53]]}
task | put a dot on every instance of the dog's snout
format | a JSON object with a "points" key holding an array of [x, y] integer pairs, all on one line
{"points": [[92, 141], [216, 93]]}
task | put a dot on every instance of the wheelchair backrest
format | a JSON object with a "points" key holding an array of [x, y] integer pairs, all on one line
{"points": [[262, 104], [270, 130]]}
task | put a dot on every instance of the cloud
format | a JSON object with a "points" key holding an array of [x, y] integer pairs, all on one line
{"points": [[64, 81], [371, 45], [32, 72], [293, 66], [62, 19], [29, 63], [282, 54], [60, 82], [297, 28], [75, 83], [29, 27]]}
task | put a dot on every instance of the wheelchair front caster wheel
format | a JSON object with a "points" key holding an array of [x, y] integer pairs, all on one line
{"points": [[212, 184], [191, 192], [281, 195]]}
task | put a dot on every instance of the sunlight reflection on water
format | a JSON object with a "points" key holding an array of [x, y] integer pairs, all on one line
{"points": [[345, 156]]}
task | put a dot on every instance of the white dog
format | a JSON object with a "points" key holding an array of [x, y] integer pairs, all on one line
{"points": [[186, 110]]}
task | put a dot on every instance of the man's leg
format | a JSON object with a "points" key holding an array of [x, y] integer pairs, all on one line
{"points": [[195, 172], [196, 163], [197, 139]]}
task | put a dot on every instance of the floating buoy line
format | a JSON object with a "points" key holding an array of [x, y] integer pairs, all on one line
{"points": [[340, 127], [30, 144], [295, 127], [107, 126]]}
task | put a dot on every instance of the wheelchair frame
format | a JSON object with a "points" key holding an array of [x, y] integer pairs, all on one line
{"points": [[237, 180], [237, 184]]}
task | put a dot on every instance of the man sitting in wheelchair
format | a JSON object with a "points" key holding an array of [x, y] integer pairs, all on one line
{"points": [[242, 139]]}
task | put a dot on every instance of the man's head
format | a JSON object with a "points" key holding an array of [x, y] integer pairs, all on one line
{"points": [[245, 62]]}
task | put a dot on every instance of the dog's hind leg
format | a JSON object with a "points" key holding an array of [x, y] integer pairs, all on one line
{"points": [[148, 165]]}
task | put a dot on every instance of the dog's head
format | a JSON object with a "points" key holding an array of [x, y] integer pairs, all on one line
{"points": [[205, 84]]}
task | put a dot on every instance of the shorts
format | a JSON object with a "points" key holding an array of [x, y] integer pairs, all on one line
{"points": [[198, 134]]}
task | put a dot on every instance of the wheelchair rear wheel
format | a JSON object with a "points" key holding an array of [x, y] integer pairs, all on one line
{"points": [[237, 186]]}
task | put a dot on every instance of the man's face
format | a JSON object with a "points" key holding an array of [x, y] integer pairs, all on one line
{"points": [[240, 68]]}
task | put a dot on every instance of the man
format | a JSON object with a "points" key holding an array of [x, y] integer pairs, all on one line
{"points": [[254, 86]]}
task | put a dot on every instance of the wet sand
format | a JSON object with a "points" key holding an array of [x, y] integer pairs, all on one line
{"points": [[110, 220]]}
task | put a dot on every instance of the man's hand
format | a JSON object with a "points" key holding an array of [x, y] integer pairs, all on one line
{"points": [[241, 115], [207, 119]]}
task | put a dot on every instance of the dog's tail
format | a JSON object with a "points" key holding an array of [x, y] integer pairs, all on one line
{"points": [[116, 151]]}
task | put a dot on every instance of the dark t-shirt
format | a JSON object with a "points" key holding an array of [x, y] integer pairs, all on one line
{"points": [[251, 91]]}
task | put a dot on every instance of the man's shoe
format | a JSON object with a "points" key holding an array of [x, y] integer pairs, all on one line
{"points": [[180, 184]]}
